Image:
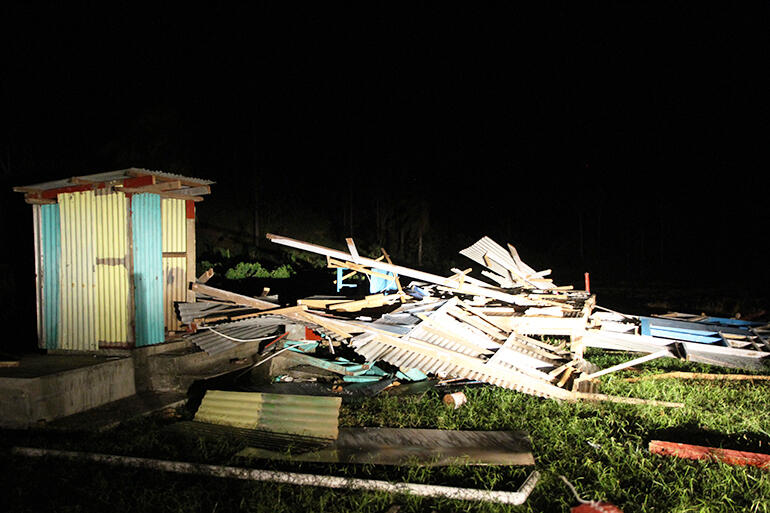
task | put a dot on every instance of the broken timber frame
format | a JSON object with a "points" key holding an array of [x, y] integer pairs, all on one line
{"points": [[453, 283]]}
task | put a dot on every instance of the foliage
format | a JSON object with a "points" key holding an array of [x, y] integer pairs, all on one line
{"points": [[255, 270]]}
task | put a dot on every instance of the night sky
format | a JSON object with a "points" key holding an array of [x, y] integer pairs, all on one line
{"points": [[623, 139]]}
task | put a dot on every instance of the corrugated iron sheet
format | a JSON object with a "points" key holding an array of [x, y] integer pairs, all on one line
{"points": [[174, 267], [174, 225], [112, 286], [77, 276], [148, 269], [50, 256], [218, 339], [187, 312], [278, 413], [174, 289]]}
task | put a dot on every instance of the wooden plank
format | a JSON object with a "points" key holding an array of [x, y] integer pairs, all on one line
{"points": [[162, 194], [699, 452], [625, 365], [625, 400], [232, 296], [38, 201], [195, 191], [395, 269], [206, 276], [699, 376]]}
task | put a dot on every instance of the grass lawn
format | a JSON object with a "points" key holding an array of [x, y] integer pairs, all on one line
{"points": [[600, 447]]}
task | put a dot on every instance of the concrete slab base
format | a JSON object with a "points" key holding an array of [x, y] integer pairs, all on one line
{"points": [[47, 387]]}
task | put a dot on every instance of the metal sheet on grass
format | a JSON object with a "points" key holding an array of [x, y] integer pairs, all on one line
{"points": [[304, 415]]}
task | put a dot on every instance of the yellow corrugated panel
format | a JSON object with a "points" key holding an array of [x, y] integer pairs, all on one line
{"points": [[306, 415], [174, 288], [77, 274], [174, 226], [174, 267], [112, 285]]}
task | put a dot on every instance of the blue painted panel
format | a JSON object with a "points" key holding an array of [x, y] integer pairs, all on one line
{"points": [[378, 284], [50, 241], [732, 322], [684, 336], [651, 328], [148, 269]]}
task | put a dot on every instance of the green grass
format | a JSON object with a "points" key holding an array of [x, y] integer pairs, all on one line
{"points": [[600, 447]]}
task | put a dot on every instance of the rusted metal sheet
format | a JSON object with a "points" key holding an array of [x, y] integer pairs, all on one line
{"points": [[174, 243], [279, 413], [112, 286], [174, 289], [148, 269], [77, 274]]}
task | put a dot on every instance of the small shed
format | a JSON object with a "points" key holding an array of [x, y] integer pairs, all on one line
{"points": [[113, 252]]}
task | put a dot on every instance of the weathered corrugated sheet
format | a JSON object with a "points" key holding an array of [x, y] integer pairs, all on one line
{"points": [[112, 286], [77, 276], [187, 312], [279, 413], [222, 337], [174, 267], [50, 256], [174, 289], [148, 269]]}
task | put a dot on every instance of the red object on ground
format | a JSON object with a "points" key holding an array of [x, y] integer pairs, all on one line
{"points": [[699, 452], [596, 507], [588, 283], [311, 335]]}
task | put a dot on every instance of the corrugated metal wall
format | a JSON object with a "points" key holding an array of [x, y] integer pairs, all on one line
{"points": [[148, 268], [77, 276], [49, 258], [113, 306], [174, 263]]}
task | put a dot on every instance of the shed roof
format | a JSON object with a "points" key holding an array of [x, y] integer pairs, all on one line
{"points": [[131, 180]]}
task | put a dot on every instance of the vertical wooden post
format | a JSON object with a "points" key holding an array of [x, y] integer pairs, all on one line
{"points": [[38, 275]]}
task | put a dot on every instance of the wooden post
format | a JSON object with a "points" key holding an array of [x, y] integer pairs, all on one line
{"points": [[190, 262]]}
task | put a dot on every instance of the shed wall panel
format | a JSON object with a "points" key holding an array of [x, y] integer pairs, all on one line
{"points": [[148, 268], [49, 261], [112, 288], [174, 288], [77, 271], [174, 216]]}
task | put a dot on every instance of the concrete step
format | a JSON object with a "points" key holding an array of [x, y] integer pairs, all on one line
{"points": [[176, 370], [114, 413]]}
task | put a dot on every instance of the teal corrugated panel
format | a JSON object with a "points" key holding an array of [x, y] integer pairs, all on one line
{"points": [[50, 239], [148, 268]]}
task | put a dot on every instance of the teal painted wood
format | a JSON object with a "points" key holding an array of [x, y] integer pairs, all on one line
{"points": [[148, 269], [50, 239]]}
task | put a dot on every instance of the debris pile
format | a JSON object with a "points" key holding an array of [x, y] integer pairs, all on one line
{"points": [[518, 330]]}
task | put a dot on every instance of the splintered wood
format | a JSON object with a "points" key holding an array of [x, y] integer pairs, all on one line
{"points": [[501, 332]]}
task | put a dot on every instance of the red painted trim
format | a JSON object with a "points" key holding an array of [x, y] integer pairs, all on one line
{"points": [[52, 193], [138, 181], [189, 209], [699, 452]]}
